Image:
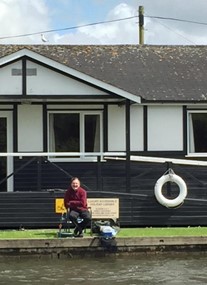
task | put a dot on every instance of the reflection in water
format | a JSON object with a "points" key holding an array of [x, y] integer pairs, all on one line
{"points": [[130, 270]]}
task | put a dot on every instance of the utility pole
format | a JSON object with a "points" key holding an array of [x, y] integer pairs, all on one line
{"points": [[141, 25]]}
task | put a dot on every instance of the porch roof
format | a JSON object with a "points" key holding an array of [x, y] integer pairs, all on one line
{"points": [[154, 73]]}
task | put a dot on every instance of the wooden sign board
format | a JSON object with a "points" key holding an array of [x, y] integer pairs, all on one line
{"points": [[104, 208], [101, 208]]}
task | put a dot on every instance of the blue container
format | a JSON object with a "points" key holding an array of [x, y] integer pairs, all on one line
{"points": [[107, 234]]}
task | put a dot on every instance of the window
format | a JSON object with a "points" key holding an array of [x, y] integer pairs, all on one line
{"points": [[92, 133], [29, 71], [197, 132], [75, 132]]}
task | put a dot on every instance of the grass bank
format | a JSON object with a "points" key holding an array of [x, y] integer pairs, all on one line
{"points": [[124, 232]]}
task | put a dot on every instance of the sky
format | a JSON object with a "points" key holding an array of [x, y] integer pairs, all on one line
{"points": [[166, 22]]}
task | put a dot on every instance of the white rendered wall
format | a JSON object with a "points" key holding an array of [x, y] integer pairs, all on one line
{"points": [[30, 128], [48, 82], [116, 128], [165, 128], [10, 85], [136, 128]]}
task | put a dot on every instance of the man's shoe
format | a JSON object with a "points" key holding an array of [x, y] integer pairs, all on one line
{"points": [[78, 235], [78, 232]]}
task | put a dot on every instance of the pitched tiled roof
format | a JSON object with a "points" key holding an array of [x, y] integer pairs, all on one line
{"points": [[155, 73]]}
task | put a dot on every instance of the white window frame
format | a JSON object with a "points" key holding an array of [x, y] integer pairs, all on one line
{"points": [[189, 134], [83, 154]]}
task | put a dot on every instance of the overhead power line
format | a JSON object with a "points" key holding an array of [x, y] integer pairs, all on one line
{"points": [[169, 28], [66, 29], [177, 19], [100, 23]]}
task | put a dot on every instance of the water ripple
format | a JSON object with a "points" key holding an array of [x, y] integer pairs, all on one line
{"points": [[142, 270]]}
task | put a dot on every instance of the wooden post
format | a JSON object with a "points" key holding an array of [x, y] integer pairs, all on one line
{"points": [[128, 162], [99, 175], [141, 25], [39, 173]]}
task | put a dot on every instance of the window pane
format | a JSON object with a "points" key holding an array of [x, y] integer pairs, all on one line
{"points": [[3, 138], [199, 126], [92, 133], [64, 132]]}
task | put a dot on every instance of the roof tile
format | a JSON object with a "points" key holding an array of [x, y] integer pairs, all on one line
{"points": [[155, 73]]}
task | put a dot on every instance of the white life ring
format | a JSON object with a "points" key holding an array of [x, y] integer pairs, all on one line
{"points": [[170, 203]]}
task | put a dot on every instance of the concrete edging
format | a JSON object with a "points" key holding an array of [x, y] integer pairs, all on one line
{"points": [[92, 246]]}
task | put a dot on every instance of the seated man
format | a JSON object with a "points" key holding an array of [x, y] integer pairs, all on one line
{"points": [[75, 201]]}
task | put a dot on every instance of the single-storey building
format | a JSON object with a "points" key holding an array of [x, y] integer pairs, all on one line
{"points": [[107, 114]]}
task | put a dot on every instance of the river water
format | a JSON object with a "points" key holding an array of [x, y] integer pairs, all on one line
{"points": [[131, 270]]}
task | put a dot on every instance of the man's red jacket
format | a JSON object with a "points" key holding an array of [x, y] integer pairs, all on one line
{"points": [[76, 199]]}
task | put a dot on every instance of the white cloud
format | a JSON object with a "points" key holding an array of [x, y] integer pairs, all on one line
{"points": [[18, 18], [163, 32], [121, 32], [175, 32]]}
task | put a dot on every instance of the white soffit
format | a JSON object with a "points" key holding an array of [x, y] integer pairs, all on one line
{"points": [[70, 71]]}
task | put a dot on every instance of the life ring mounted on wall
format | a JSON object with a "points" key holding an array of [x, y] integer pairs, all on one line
{"points": [[170, 177]]}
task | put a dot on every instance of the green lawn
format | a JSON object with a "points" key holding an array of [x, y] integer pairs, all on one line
{"points": [[124, 232]]}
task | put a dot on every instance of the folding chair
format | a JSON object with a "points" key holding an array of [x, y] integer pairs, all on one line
{"points": [[65, 226]]}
